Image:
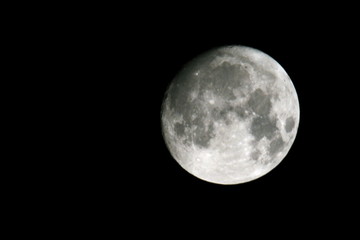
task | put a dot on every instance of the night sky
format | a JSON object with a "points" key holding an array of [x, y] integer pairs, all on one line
{"points": [[124, 64]]}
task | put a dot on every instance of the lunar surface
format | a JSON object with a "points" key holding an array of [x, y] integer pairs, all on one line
{"points": [[230, 115]]}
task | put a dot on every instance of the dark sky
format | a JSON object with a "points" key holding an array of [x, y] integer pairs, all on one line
{"points": [[130, 60], [313, 171]]}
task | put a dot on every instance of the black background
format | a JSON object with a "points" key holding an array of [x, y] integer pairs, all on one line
{"points": [[114, 66], [143, 54], [311, 183]]}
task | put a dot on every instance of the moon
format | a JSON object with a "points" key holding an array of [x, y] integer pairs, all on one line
{"points": [[230, 115]]}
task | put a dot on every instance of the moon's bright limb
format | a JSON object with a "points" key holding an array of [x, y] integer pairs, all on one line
{"points": [[231, 115]]}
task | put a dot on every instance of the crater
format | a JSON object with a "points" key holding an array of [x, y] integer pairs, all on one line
{"points": [[268, 74], [260, 102], [216, 115], [255, 154], [263, 127], [276, 146], [240, 112], [222, 114], [202, 136], [182, 89], [226, 77], [179, 129], [289, 124]]}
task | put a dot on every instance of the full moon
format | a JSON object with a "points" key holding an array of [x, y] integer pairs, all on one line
{"points": [[230, 115]]}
